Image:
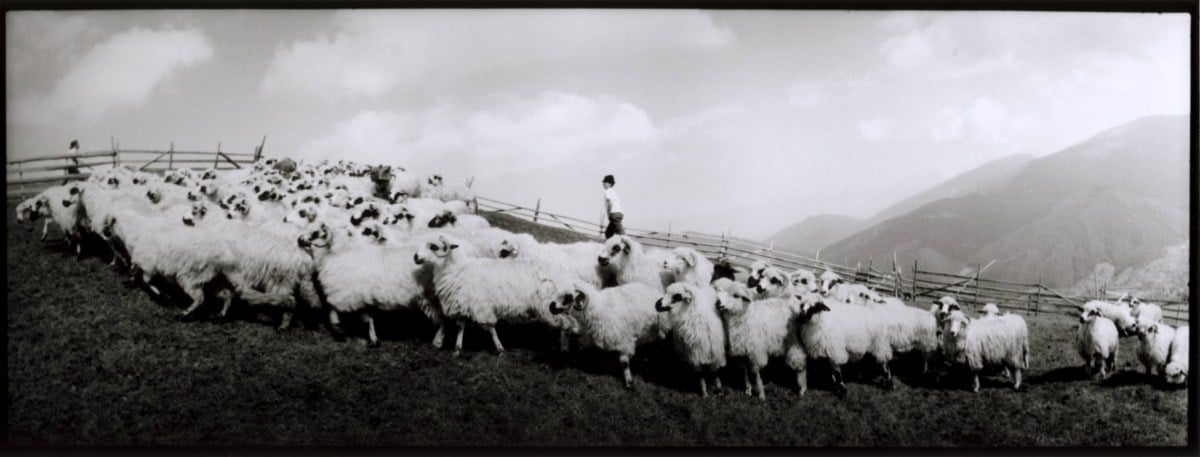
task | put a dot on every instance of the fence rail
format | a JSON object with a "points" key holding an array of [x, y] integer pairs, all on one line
{"points": [[32, 175], [917, 286]]}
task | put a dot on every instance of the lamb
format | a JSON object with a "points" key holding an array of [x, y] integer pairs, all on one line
{"points": [[617, 319], [1097, 342], [627, 261], [697, 329], [1177, 361], [981, 343], [363, 279], [486, 290], [1119, 313], [1154, 345], [842, 334], [759, 330], [688, 265]]}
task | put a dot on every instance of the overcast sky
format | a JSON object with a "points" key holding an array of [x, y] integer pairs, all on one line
{"points": [[711, 121]]}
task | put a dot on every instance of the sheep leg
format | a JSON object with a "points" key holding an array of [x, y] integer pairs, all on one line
{"points": [[226, 301], [370, 321], [564, 341], [839, 387], [802, 381], [625, 371], [45, 230], [758, 385], [439, 336], [887, 376], [285, 321], [1016, 379], [717, 383], [334, 320], [462, 328], [703, 387], [975, 383], [746, 380], [491, 328], [197, 294]]}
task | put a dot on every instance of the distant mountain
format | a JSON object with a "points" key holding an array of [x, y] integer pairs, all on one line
{"points": [[1118, 198], [815, 232], [980, 179]]}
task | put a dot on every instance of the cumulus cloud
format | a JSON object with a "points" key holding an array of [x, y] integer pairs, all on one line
{"points": [[371, 53], [120, 71], [508, 135], [875, 130]]}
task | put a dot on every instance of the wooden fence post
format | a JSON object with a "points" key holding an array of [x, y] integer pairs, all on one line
{"points": [[724, 243], [171, 157], [258, 150], [1037, 299], [537, 210], [668, 233], [217, 156], [914, 280], [977, 273]]}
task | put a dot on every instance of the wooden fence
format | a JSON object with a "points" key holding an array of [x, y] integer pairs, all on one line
{"points": [[30, 176], [919, 287]]}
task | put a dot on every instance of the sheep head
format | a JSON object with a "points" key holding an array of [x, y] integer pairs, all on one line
{"points": [[369, 211], [682, 259], [443, 219], [733, 297], [437, 249], [199, 210], [575, 298], [398, 213], [772, 282], [508, 250], [829, 280], [618, 249], [374, 231], [1176, 373], [804, 280], [316, 237], [756, 271], [811, 305]]}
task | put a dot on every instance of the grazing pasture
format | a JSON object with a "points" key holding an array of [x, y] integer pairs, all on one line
{"points": [[92, 360]]}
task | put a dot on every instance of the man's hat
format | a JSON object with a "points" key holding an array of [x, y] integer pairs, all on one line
{"points": [[609, 179]]}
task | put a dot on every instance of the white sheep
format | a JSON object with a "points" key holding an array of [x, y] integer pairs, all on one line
{"points": [[1146, 311], [760, 329], [688, 265], [1177, 361], [448, 218], [835, 288], [942, 307], [772, 283], [804, 280], [1098, 342], [627, 261], [1154, 345], [841, 334], [1119, 313], [697, 330], [981, 343], [486, 291], [617, 319], [990, 310], [573, 259], [364, 279]]}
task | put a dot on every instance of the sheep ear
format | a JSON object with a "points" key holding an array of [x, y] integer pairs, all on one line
{"points": [[452, 246], [690, 259], [625, 246], [580, 298], [66, 203]]}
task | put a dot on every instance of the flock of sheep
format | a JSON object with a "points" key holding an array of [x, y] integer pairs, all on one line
{"points": [[355, 241]]}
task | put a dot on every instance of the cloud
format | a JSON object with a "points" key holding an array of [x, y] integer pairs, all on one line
{"points": [[947, 126], [805, 94], [511, 134], [120, 71], [371, 53], [39, 38], [875, 130]]}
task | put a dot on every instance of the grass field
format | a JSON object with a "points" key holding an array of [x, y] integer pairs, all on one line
{"points": [[92, 360]]}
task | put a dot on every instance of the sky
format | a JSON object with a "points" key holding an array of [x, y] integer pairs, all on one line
{"points": [[742, 122]]}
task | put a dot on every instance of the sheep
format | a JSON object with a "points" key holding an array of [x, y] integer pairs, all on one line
{"points": [[697, 330], [772, 283], [38, 206], [980, 343], [627, 261], [573, 259], [434, 188], [942, 307], [486, 290], [1119, 313], [990, 310], [804, 280], [835, 288], [688, 265], [1146, 311], [617, 319], [723, 268], [761, 329], [842, 334], [1154, 345], [1097, 342], [65, 210], [1177, 361], [757, 268], [365, 279], [462, 221]]}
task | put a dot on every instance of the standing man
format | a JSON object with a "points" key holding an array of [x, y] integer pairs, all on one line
{"points": [[72, 160], [612, 206]]}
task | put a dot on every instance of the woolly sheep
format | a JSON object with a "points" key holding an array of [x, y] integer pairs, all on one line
{"points": [[573, 259], [627, 261], [842, 334], [772, 283], [617, 319], [1177, 361], [688, 265], [1146, 311], [1098, 342], [990, 310], [461, 221], [1154, 345], [362, 280], [486, 291], [760, 329], [697, 330], [804, 280], [1119, 313], [981, 343]]}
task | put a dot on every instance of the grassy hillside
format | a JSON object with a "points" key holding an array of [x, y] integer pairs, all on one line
{"points": [[815, 232], [92, 360]]}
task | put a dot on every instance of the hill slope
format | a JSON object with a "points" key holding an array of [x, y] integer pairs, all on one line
{"points": [[1120, 198], [815, 232]]}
